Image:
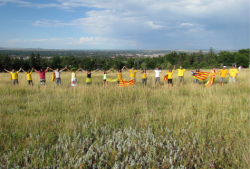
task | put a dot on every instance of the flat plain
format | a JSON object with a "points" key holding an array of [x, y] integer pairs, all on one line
{"points": [[188, 126]]}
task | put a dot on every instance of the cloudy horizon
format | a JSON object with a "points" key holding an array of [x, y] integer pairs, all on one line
{"points": [[111, 24]]}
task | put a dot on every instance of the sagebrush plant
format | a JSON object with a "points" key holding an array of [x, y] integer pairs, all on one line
{"points": [[135, 127]]}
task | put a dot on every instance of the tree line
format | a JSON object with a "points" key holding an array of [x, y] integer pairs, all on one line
{"points": [[193, 60]]}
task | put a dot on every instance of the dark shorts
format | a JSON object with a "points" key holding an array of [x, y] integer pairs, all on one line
{"points": [[15, 81], [29, 81], [170, 81], [104, 80], [196, 81], [118, 82]]}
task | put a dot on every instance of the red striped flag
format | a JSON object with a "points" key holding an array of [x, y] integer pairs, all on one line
{"points": [[165, 78], [200, 75], [124, 83]]}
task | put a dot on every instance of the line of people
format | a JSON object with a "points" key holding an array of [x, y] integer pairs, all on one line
{"points": [[223, 72]]}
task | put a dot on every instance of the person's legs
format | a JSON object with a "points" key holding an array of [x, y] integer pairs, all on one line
{"points": [[146, 82], [158, 78]]}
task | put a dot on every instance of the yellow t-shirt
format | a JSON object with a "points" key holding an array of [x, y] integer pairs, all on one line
{"points": [[73, 75], [14, 75], [223, 73], [233, 72], [181, 72], [144, 75], [119, 75], [132, 73], [170, 75], [28, 76]]}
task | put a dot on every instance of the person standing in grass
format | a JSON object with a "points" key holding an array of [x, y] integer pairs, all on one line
{"points": [[170, 77], [14, 75], [144, 77], [196, 81], [223, 73], [105, 77], [29, 79], [157, 76], [58, 74], [132, 72], [42, 75], [88, 79], [181, 75], [119, 73], [233, 74], [73, 77]]}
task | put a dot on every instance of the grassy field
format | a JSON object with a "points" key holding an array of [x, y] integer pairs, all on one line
{"points": [[136, 127]]}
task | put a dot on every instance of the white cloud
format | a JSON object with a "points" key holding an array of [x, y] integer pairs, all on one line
{"points": [[187, 24]]}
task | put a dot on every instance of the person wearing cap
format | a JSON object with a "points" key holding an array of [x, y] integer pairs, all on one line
{"points": [[223, 73], [233, 74]]}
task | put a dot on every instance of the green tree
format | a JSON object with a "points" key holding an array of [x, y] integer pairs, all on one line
{"points": [[185, 64], [130, 63], [144, 65], [151, 63], [195, 65], [202, 64], [32, 61], [242, 60], [199, 57], [38, 61]]}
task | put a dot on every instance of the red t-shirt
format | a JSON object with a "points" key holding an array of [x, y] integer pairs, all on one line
{"points": [[42, 74]]}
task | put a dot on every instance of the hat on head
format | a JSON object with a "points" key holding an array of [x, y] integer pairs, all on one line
{"points": [[224, 66]]}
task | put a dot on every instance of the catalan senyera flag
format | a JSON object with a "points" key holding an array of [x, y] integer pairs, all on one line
{"points": [[210, 82], [53, 77], [200, 75], [112, 80], [165, 78], [212, 78], [124, 83]]}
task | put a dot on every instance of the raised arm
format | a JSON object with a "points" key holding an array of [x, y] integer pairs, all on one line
{"points": [[49, 69], [83, 70], [109, 70], [94, 71], [25, 71], [76, 71], [63, 69], [34, 69], [125, 68], [19, 69], [6, 71], [174, 67]]}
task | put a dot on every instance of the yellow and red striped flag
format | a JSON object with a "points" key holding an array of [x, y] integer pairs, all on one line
{"points": [[200, 75], [210, 82], [124, 83], [165, 78], [53, 77]]}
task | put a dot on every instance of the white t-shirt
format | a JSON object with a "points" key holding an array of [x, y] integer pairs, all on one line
{"points": [[58, 74], [157, 73]]}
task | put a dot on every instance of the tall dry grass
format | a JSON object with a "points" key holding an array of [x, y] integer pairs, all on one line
{"points": [[219, 115]]}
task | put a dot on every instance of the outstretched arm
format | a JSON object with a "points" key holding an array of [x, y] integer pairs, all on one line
{"points": [[77, 70], [69, 70], [94, 71], [6, 71], [83, 70], [63, 69], [50, 69], [34, 69], [24, 71], [124, 67], [19, 69], [109, 70]]}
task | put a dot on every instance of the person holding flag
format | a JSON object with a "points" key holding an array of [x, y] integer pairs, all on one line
{"points": [[169, 77], [119, 73], [13, 75], [42, 75], [57, 75], [132, 73]]}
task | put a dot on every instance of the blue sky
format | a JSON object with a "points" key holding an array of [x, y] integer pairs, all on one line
{"points": [[128, 24]]}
